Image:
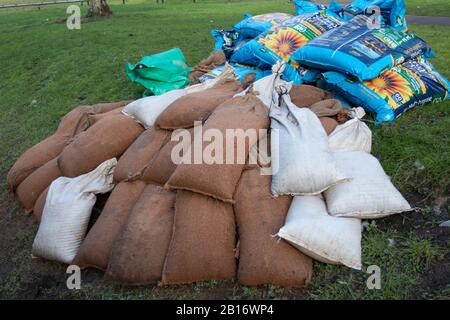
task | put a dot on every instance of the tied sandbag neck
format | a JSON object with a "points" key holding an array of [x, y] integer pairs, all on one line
{"points": [[264, 88], [359, 113], [280, 89]]}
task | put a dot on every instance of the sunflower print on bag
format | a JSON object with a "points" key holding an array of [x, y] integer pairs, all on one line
{"points": [[392, 87], [284, 42]]}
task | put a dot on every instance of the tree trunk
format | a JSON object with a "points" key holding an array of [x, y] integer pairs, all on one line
{"points": [[98, 8]]}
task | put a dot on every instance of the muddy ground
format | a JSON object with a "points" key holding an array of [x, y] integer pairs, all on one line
{"points": [[25, 277]]}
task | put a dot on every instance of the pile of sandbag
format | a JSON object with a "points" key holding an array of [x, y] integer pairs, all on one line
{"points": [[186, 225], [335, 182], [37, 167], [188, 201], [174, 222], [164, 221]]}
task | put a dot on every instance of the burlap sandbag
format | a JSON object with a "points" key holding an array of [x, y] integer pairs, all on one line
{"points": [[306, 95], [215, 59], [39, 205], [100, 111], [329, 124], [106, 107], [71, 124], [161, 167], [96, 117], [106, 139], [138, 254], [197, 106], [96, 247], [32, 187], [220, 180], [264, 259], [78, 119], [34, 158], [326, 108], [203, 241], [343, 115], [139, 154], [260, 154], [74, 122]]}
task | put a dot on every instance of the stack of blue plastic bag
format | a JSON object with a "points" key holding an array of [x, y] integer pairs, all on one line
{"points": [[362, 52]]}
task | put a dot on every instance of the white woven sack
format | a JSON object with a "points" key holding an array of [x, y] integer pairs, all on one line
{"points": [[146, 110], [328, 239], [353, 135], [302, 161], [369, 194], [265, 87], [67, 210]]}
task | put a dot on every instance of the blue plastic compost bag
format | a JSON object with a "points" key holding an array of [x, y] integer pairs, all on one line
{"points": [[344, 102], [253, 26], [360, 49], [286, 37], [230, 40], [240, 70], [229, 43], [322, 84], [226, 40], [392, 11], [395, 91], [280, 44]]}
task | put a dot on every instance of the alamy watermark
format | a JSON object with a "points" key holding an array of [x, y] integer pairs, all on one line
{"points": [[374, 14], [73, 22], [374, 280], [74, 279]]}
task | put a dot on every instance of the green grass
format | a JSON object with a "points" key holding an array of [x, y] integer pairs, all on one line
{"points": [[47, 70], [413, 7], [420, 135], [428, 7], [402, 259], [401, 265]]}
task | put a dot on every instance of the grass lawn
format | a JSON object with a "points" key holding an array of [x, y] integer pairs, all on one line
{"points": [[413, 7], [47, 70], [428, 7]]}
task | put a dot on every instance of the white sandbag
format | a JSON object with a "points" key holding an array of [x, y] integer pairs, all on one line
{"points": [[146, 110], [353, 135], [328, 239], [369, 194], [67, 210], [302, 161], [265, 88]]}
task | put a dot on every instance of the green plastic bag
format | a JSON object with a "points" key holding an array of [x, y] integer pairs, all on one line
{"points": [[160, 72]]}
